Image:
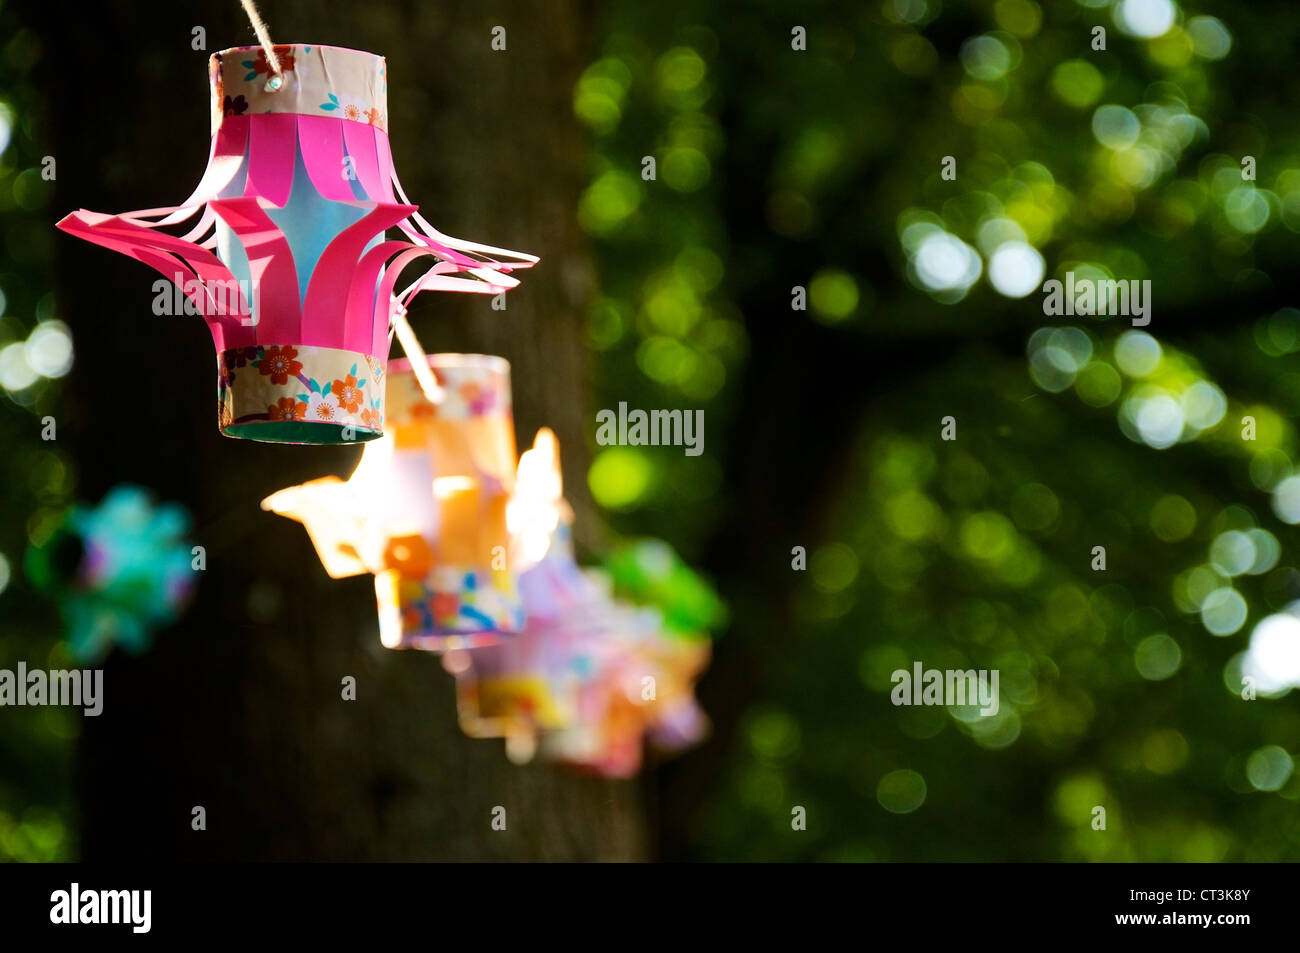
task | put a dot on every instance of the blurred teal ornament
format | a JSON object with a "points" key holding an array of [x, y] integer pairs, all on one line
{"points": [[117, 571], [648, 572]]}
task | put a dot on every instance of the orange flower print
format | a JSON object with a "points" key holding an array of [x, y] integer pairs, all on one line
{"points": [[280, 364], [348, 393], [374, 117], [287, 408], [283, 53], [370, 418], [352, 112]]}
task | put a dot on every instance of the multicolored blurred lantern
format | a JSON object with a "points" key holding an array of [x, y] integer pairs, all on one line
{"points": [[118, 571], [643, 689], [648, 572], [287, 262], [651, 651], [589, 676], [530, 683], [425, 510]]}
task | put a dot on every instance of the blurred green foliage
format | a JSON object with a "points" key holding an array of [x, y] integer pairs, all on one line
{"points": [[37, 480], [824, 168]]}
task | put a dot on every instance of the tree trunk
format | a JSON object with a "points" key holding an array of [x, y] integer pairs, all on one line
{"points": [[238, 708]]}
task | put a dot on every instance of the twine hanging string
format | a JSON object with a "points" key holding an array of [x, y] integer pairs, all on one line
{"points": [[264, 37], [419, 360], [410, 343]]}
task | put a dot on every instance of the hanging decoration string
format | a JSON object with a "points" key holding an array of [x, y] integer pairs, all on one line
{"points": [[419, 360], [264, 37]]}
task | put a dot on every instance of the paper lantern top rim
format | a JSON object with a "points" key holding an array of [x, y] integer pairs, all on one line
{"points": [[255, 48], [325, 81], [487, 362]]}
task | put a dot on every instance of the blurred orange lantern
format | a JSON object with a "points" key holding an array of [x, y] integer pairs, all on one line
{"points": [[425, 510]]}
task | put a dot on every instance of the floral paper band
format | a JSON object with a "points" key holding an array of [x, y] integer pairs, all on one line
{"points": [[314, 81], [449, 608], [287, 384], [473, 385]]}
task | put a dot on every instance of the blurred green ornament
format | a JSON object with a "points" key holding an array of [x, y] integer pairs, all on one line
{"points": [[649, 572], [117, 571]]}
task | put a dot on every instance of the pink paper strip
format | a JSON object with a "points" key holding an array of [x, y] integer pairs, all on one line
{"points": [[324, 312], [321, 141], [271, 143], [167, 265], [271, 268], [362, 327], [225, 159], [384, 296], [360, 141]]}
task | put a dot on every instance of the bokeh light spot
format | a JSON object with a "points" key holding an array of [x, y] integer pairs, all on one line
{"points": [[1224, 611], [620, 477], [1077, 83], [833, 567], [1173, 518], [1115, 126], [1157, 657], [1145, 18], [833, 294], [1016, 269], [1269, 768], [901, 792]]}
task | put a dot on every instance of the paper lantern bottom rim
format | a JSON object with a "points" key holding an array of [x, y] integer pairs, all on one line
{"points": [[300, 393], [301, 432], [444, 642]]}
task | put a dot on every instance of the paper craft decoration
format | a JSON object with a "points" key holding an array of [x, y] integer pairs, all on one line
{"points": [[530, 683], [425, 510], [642, 690], [287, 262], [654, 645], [118, 571], [590, 676]]}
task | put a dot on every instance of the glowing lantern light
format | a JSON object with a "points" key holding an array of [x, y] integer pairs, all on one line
{"points": [[288, 263], [530, 684], [425, 510]]}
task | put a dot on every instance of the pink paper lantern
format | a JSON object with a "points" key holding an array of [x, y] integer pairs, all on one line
{"points": [[288, 262]]}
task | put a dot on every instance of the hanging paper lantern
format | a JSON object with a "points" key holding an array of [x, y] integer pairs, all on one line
{"points": [[649, 653], [642, 690], [425, 510], [605, 736], [530, 683], [515, 689], [118, 571], [649, 572], [575, 680], [287, 262]]}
